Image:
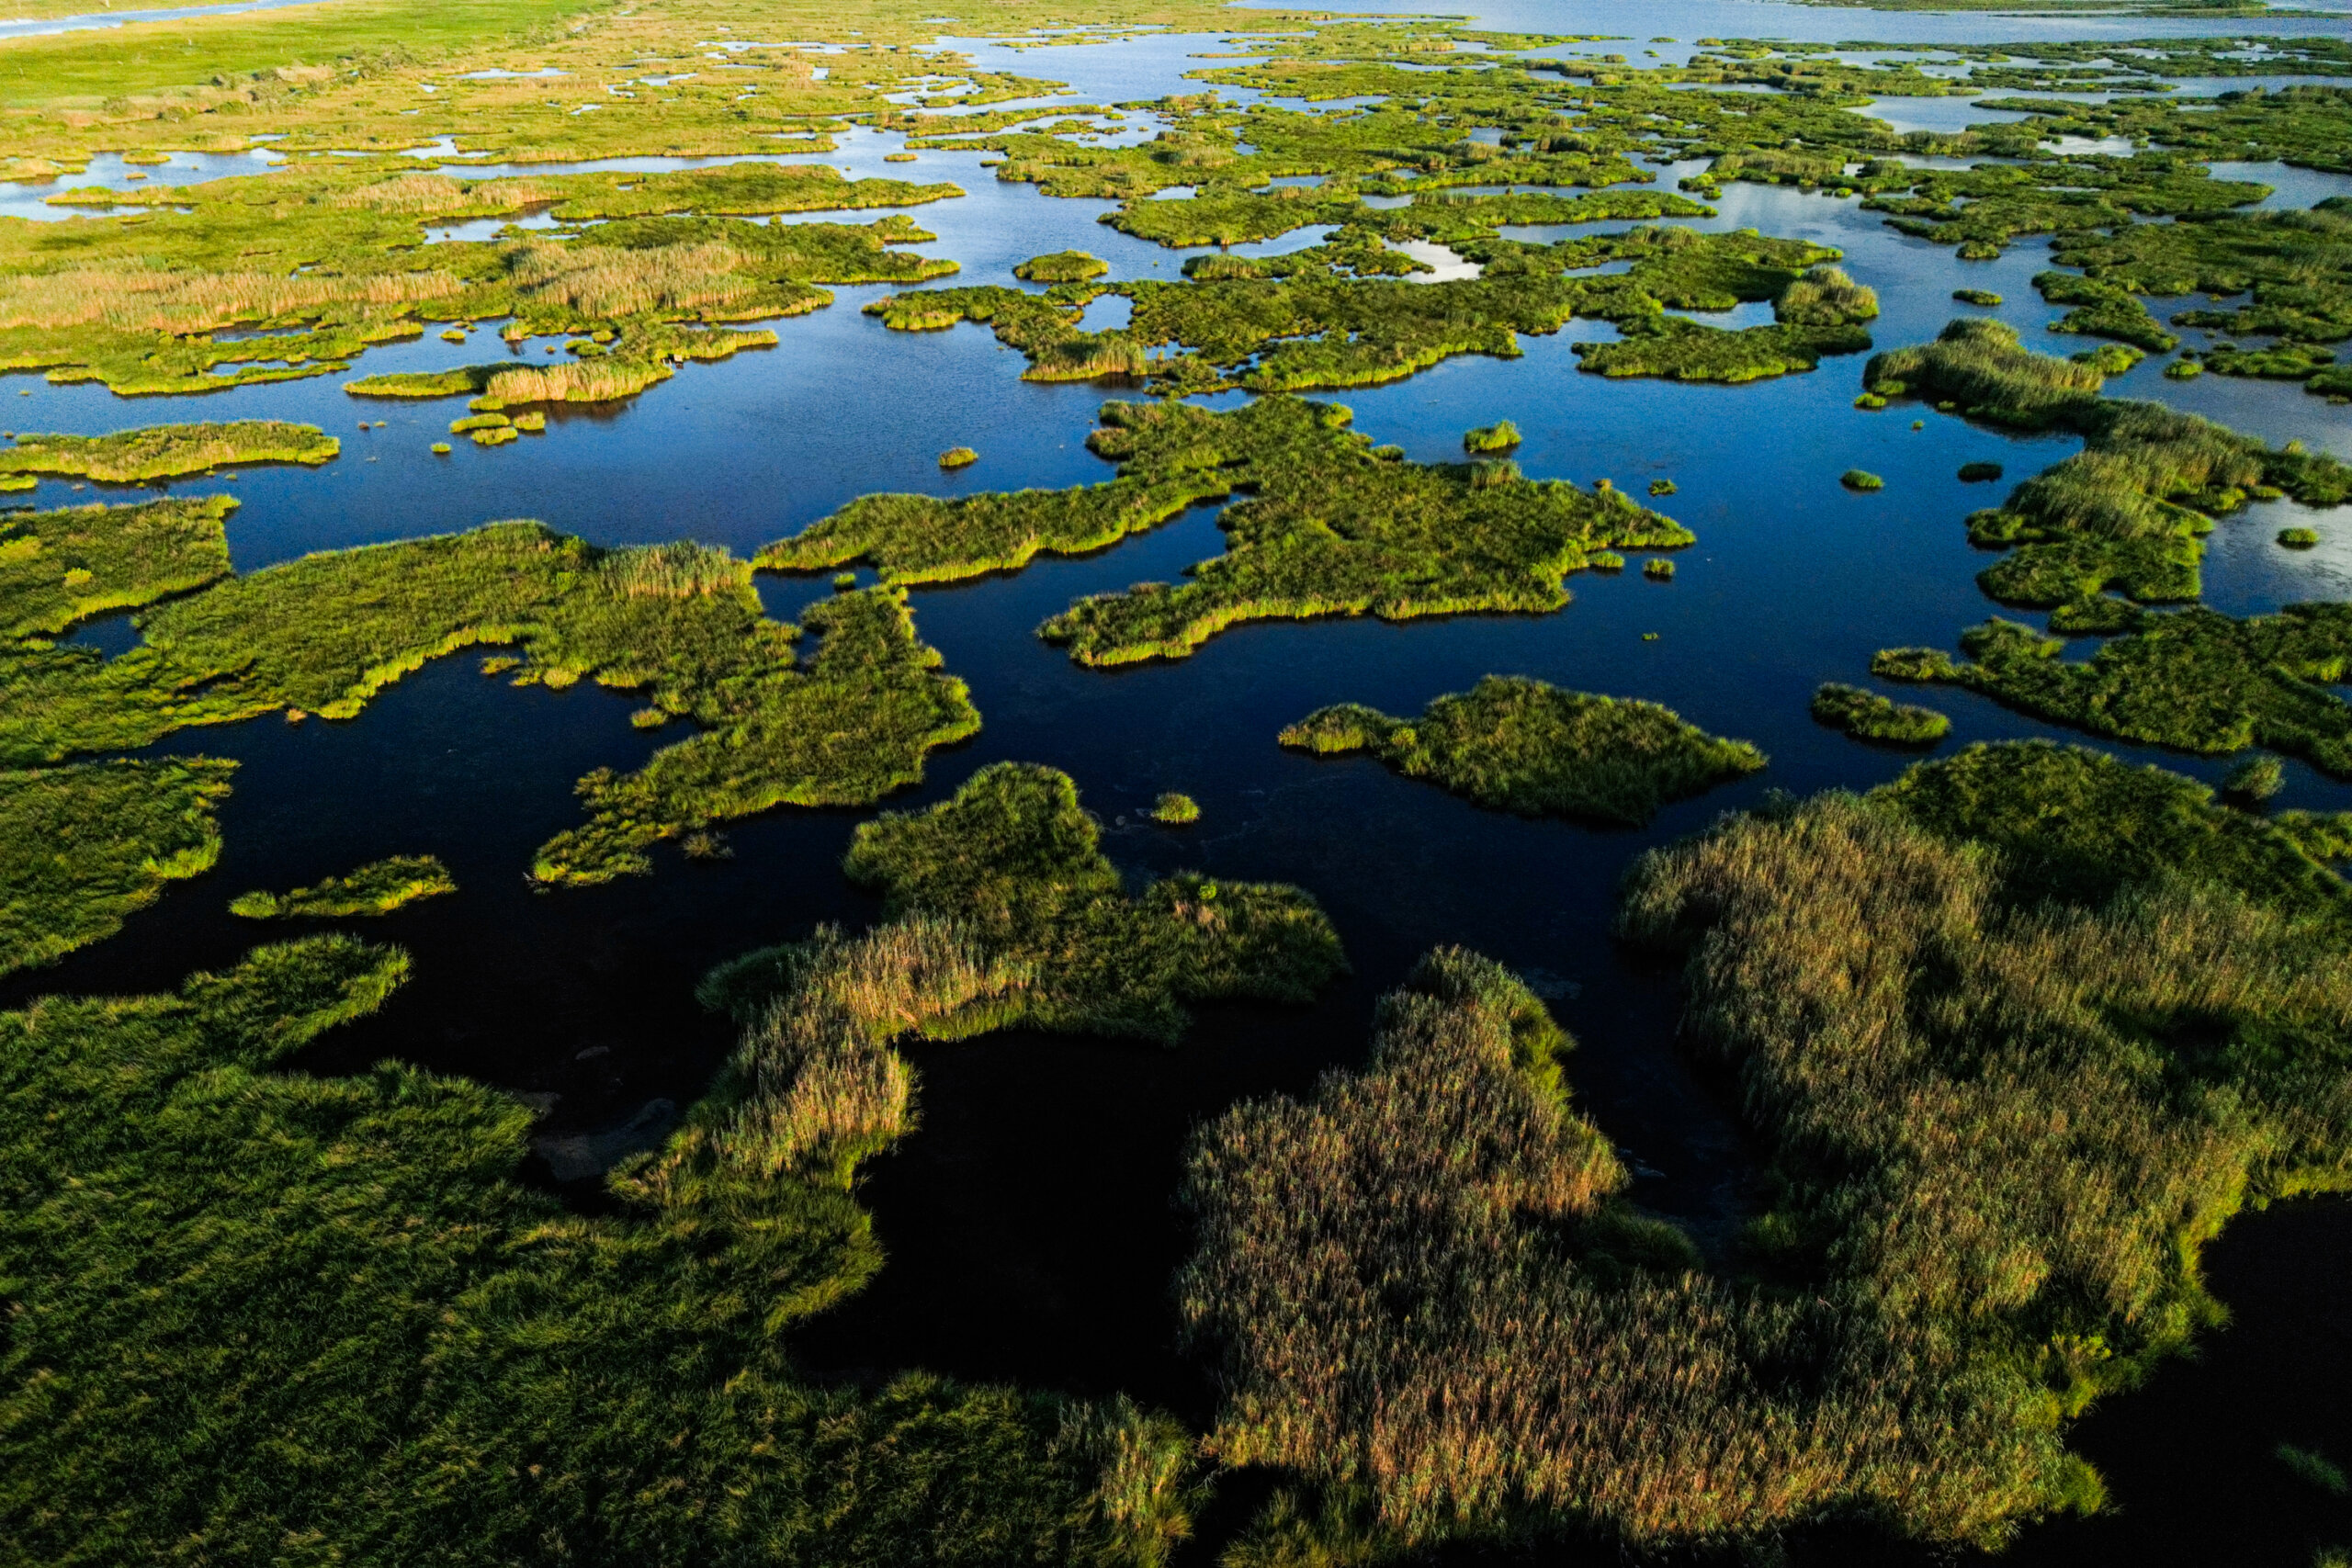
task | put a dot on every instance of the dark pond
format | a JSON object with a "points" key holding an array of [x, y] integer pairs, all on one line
{"points": [[1028, 1220]]}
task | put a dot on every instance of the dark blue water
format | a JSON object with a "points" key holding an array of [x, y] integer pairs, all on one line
{"points": [[1028, 1219]]}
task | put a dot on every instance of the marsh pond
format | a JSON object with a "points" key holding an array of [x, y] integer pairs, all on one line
{"points": [[1158, 783]]}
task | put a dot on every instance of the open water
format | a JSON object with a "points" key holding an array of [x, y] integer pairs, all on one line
{"points": [[1028, 1219]]}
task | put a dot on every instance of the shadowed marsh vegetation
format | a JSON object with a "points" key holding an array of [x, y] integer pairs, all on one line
{"points": [[376, 888], [1512, 744], [1866, 716], [82, 847], [1997, 1128], [401, 1353], [1327, 529]]}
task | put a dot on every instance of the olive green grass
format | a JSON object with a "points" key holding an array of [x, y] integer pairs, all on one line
{"points": [[2299, 538], [1983, 297], [2194, 680], [1014, 857], [403, 1351], [1662, 487], [1866, 716], [1904, 1338], [2314, 1468], [1062, 266], [1860, 479], [678, 624], [1173, 810], [83, 847], [1657, 568], [376, 888], [2184, 369], [2255, 780], [1514, 744], [2129, 511], [1500, 436], [1327, 529], [958, 458], [167, 451], [57, 568]]}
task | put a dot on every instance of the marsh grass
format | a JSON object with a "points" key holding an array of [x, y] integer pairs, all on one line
{"points": [[158, 452], [1062, 266], [405, 1353], [376, 888], [1860, 479], [1984, 1085], [1866, 716], [1013, 857], [1501, 436], [1514, 744], [1327, 529], [1825, 296], [2314, 1468], [57, 568], [958, 458], [1175, 810], [82, 847]]}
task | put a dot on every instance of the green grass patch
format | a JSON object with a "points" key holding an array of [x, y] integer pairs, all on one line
{"points": [[1866, 716], [82, 847], [1062, 266], [1173, 810], [376, 888], [60, 568], [1500, 436], [1513, 744], [167, 451], [958, 458], [1860, 479], [2299, 538]]}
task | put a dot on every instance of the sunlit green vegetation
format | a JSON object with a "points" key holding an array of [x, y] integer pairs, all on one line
{"points": [[82, 847], [2194, 680], [678, 622], [1979, 364], [1860, 479], [1174, 809], [1062, 266], [1866, 716], [1983, 297], [165, 451], [1500, 436], [1423, 1299], [1014, 857], [376, 888], [1327, 529], [1513, 744], [60, 567], [1657, 568], [1825, 296], [2299, 538], [958, 458]]}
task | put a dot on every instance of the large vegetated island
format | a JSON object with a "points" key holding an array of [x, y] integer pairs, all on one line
{"points": [[1329, 526], [2002, 1100]]}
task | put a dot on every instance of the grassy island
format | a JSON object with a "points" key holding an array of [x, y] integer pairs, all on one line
{"points": [[1014, 857], [166, 451], [678, 622], [2193, 681], [1866, 716], [1424, 1297], [57, 568], [376, 888], [1328, 528], [2128, 512], [1062, 266], [1513, 744], [82, 847]]}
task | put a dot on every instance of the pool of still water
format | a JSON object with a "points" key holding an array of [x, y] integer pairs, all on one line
{"points": [[1028, 1220]]}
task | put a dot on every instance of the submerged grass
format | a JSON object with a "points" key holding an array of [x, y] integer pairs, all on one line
{"points": [[1513, 744], [82, 847], [376, 888], [1997, 1129]]}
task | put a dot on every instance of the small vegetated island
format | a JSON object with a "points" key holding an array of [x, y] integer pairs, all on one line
{"points": [[376, 888], [308, 1246], [1329, 526], [159, 452], [1519, 745], [1427, 1301]]}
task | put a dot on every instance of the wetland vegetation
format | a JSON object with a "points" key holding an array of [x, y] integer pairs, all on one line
{"points": [[82, 847], [1910, 1337], [1512, 744], [162, 452], [376, 888]]}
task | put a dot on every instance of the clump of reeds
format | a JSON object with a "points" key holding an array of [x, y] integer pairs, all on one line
{"points": [[958, 458], [1175, 810], [1825, 296], [1867, 716], [376, 888], [1500, 436]]}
